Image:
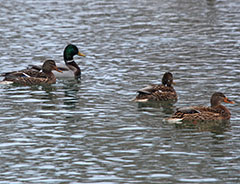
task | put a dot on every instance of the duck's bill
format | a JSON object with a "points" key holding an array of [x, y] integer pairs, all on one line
{"points": [[81, 54], [226, 100], [56, 68], [174, 83]]}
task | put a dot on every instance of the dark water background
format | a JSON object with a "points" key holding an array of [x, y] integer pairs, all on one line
{"points": [[90, 132]]}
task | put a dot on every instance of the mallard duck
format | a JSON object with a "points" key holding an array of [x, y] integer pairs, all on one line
{"points": [[155, 92], [216, 112], [70, 68], [44, 77]]}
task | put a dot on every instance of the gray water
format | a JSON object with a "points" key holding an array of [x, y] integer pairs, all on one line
{"points": [[90, 132]]}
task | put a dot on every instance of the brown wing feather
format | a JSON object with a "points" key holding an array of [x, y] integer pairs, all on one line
{"points": [[157, 93], [33, 81], [21, 73], [204, 113]]}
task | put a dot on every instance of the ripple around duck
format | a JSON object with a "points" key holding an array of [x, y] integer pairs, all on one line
{"points": [[90, 132]]}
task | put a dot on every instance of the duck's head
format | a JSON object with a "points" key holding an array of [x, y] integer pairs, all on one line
{"points": [[49, 65], [217, 98], [70, 51], [167, 79]]}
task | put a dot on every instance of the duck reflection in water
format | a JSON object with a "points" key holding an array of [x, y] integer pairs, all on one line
{"points": [[211, 126], [71, 94], [167, 107]]}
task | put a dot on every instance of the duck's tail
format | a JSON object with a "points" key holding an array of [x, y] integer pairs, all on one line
{"points": [[6, 82], [139, 100], [174, 120]]}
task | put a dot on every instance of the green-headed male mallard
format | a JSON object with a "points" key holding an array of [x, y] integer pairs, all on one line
{"points": [[69, 69]]}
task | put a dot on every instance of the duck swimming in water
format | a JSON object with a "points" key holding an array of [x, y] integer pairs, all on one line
{"points": [[29, 77], [69, 69], [216, 112], [156, 92]]}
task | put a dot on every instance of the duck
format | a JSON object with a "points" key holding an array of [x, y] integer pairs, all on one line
{"points": [[158, 92], [70, 68], [215, 112], [29, 77]]}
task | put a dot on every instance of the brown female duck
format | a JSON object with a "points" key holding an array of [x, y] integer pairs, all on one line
{"points": [[28, 77], [155, 92], [216, 112]]}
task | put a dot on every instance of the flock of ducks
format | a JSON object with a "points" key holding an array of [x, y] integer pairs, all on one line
{"points": [[166, 92], [47, 73]]}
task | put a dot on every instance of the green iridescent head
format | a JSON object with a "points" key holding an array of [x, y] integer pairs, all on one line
{"points": [[70, 51]]}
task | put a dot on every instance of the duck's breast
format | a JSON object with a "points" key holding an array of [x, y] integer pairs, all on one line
{"points": [[66, 72]]}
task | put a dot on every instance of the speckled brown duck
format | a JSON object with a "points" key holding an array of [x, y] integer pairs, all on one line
{"points": [[156, 92], [28, 77], [216, 112]]}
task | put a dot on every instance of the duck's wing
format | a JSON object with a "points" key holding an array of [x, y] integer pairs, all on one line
{"points": [[14, 74], [188, 110], [22, 73], [35, 67], [196, 114], [148, 89], [33, 81], [155, 93]]}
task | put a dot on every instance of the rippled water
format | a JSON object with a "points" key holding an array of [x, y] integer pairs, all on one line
{"points": [[90, 132]]}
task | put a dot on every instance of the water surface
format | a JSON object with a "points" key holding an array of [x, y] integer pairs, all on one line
{"points": [[90, 132]]}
